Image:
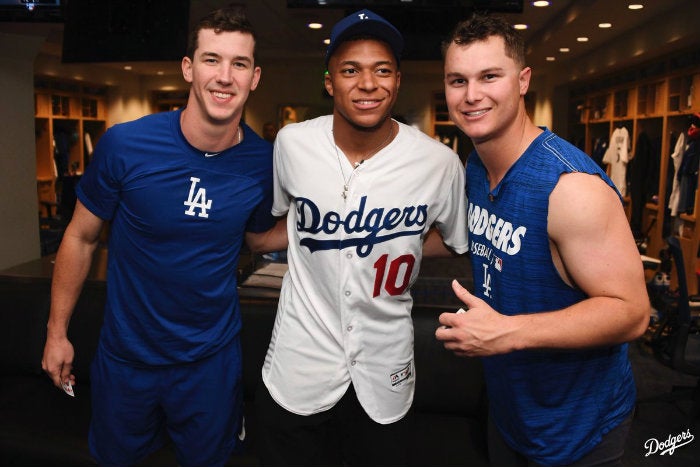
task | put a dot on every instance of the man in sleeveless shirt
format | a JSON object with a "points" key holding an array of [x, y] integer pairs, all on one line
{"points": [[559, 284]]}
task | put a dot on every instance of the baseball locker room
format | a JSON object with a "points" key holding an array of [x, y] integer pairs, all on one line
{"points": [[618, 79]]}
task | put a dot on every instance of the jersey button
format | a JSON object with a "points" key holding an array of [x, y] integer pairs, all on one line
{"points": [[353, 363], [347, 293], [349, 255], [349, 328]]}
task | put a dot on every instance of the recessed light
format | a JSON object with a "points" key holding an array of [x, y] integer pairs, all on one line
{"points": [[326, 41], [635, 6], [315, 25], [604, 25], [550, 59], [564, 49], [520, 27], [582, 39], [160, 73], [540, 3], [127, 67]]}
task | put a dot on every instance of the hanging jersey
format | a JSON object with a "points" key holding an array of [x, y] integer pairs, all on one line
{"points": [[617, 156]]}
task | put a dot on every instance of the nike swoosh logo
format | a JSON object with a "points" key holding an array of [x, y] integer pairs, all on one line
{"points": [[211, 154]]}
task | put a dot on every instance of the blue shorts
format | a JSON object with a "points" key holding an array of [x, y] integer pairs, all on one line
{"points": [[198, 405]]}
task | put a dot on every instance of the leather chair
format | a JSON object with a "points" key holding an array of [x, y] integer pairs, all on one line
{"points": [[676, 341]]}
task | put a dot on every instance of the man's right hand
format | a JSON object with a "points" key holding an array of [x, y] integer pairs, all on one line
{"points": [[57, 361]]}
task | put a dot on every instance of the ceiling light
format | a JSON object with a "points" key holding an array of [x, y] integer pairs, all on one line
{"points": [[127, 67], [635, 6], [550, 59], [582, 39], [564, 49], [326, 41], [540, 3], [520, 27], [604, 25], [315, 25]]}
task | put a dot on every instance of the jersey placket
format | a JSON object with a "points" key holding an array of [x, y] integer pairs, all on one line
{"points": [[349, 287]]}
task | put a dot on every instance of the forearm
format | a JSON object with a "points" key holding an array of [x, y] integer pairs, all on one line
{"points": [[595, 322], [274, 239], [434, 247], [73, 262]]}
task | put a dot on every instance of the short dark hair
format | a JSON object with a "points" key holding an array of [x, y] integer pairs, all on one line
{"points": [[230, 19], [480, 27]]}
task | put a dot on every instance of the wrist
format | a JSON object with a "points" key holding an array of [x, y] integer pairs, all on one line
{"points": [[56, 331]]}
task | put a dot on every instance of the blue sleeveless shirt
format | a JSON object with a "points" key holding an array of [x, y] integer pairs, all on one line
{"points": [[553, 406]]}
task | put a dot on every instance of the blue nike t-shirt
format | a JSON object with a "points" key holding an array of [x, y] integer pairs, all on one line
{"points": [[178, 220]]}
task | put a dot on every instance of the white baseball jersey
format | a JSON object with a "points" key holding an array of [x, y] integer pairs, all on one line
{"points": [[345, 309]]}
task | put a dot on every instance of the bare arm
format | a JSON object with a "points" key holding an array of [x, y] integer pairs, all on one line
{"points": [[434, 247], [274, 239], [593, 248], [73, 262]]}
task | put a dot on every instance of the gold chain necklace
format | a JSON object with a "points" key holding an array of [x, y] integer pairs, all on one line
{"points": [[346, 181]]}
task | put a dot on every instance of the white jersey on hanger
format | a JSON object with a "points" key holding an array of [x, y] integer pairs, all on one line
{"points": [[617, 156], [677, 158]]}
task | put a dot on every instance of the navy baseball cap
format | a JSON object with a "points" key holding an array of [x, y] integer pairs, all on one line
{"points": [[365, 23]]}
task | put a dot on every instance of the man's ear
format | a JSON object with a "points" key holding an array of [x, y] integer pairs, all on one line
{"points": [[524, 79], [328, 83], [255, 80], [186, 66]]}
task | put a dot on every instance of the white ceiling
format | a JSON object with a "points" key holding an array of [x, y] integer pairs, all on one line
{"points": [[660, 28]]}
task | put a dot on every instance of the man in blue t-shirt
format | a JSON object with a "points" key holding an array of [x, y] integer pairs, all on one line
{"points": [[182, 190], [559, 285]]}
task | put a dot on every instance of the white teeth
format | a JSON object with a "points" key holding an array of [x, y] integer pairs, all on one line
{"points": [[222, 95], [365, 102], [476, 114]]}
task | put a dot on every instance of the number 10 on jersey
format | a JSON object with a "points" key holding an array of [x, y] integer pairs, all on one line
{"points": [[396, 277]]}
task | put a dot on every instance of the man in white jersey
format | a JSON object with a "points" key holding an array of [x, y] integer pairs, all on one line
{"points": [[362, 192]]}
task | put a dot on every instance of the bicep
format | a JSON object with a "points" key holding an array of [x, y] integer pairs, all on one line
{"points": [[592, 243], [84, 226]]}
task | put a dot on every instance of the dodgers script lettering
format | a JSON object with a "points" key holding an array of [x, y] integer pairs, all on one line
{"points": [[378, 224]]}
